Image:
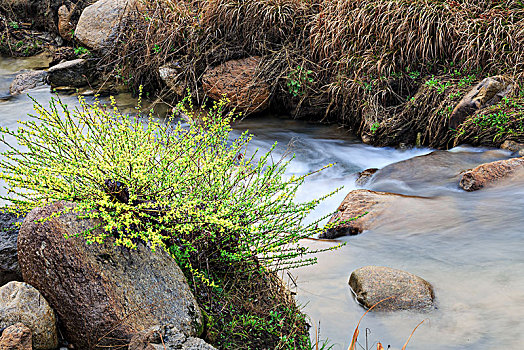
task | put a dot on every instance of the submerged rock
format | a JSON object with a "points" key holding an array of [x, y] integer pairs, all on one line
{"points": [[27, 80], [70, 73], [357, 212], [238, 81], [16, 337], [486, 93], [20, 302], [100, 23], [488, 173], [103, 294], [365, 176], [371, 284], [9, 268]]}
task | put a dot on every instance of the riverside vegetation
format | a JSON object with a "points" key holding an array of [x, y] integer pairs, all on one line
{"points": [[228, 218], [392, 70]]}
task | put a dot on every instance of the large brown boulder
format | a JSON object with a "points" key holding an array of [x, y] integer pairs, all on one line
{"points": [[16, 337], [103, 294], [488, 173], [486, 93], [20, 302], [371, 284], [238, 80], [358, 212], [100, 23]]}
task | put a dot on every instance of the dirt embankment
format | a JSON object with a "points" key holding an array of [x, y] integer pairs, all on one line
{"points": [[395, 72]]}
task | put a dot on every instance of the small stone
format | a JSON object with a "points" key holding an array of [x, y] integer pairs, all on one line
{"points": [[365, 176], [20, 302], [371, 284], [169, 74], [488, 92], [513, 146], [65, 27], [16, 337]]}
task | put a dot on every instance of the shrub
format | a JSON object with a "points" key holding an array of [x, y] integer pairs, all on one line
{"points": [[227, 217]]}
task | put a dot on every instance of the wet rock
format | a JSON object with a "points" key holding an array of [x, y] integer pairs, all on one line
{"points": [[20, 302], [357, 212], [102, 293], [514, 147], [16, 337], [365, 176], [70, 73], [486, 93], [166, 338], [429, 174], [238, 81], [488, 173], [27, 80], [100, 23], [372, 284], [9, 268]]}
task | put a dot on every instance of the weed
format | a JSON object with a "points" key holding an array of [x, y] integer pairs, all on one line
{"points": [[80, 50], [374, 127], [298, 80], [227, 217]]}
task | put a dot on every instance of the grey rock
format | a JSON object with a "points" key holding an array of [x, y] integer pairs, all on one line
{"points": [[100, 23], [169, 75], [9, 268], [488, 92], [16, 337], [101, 292], [27, 80], [166, 338], [371, 284], [70, 73], [20, 302]]}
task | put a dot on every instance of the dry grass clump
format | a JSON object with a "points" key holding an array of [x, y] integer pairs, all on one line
{"points": [[365, 60]]}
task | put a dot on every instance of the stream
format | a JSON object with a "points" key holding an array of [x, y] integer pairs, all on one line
{"points": [[469, 246]]}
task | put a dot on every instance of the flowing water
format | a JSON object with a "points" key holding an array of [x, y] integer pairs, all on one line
{"points": [[469, 246]]}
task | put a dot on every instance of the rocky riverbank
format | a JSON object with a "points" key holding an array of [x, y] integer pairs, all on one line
{"points": [[428, 94]]}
